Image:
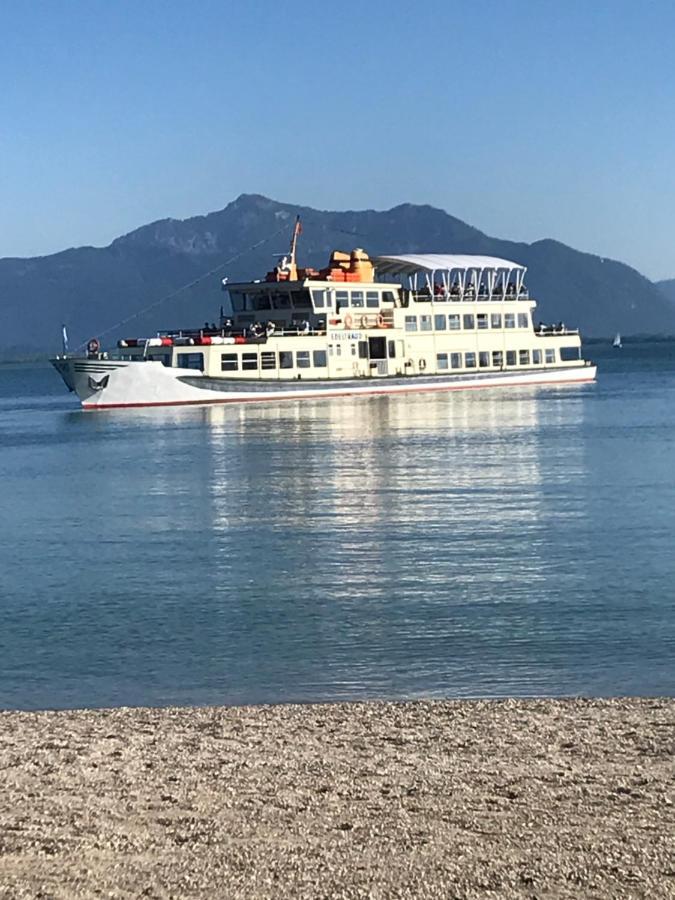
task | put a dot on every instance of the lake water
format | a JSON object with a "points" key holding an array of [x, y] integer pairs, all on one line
{"points": [[504, 542]]}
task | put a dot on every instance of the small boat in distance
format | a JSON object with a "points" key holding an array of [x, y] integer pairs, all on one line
{"points": [[616, 343], [387, 325]]}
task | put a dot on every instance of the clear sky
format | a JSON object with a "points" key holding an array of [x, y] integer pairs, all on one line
{"points": [[525, 118]]}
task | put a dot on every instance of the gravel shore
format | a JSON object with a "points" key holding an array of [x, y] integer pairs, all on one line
{"points": [[541, 798]]}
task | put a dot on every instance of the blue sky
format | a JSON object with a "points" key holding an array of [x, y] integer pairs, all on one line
{"points": [[525, 118]]}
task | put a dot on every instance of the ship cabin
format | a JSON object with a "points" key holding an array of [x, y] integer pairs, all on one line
{"points": [[402, 315]]}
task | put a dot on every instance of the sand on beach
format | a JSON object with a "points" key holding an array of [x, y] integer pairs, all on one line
{"points": [[540, 798]]}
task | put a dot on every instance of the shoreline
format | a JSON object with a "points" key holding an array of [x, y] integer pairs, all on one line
{"points": [[423, 798]]}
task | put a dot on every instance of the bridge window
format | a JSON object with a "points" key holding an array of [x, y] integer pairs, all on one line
{"points": [[411, 323], [468, 322], [456, 360], [357, 299], [191, 361], [319, 359], [550, 354], [268, 360], [341, 300], [536, 357], [509, 320], [454, 323], [372, 299], [301, 299], [439, 323], [249, 361], [524, 357], [470, 360], [442, 360], [484, 359], [510, 357], [319, 299], [523, 320], [425, 323], [497, 358], [496, 320], [302, 359], [229, 362], [482, 321], [285, 359]]}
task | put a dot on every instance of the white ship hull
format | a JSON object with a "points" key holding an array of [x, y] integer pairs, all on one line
{"points": [[110, 384]]}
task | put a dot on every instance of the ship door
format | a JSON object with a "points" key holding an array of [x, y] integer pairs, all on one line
{"points": [[377, 352]]}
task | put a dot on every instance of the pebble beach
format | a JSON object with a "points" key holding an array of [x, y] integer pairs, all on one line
{"points": [[527, 798]]}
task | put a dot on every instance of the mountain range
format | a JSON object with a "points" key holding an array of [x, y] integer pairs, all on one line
{"points": [[92, 290]]}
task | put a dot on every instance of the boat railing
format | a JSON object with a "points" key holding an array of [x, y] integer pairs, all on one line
{"points": [[554, 330], [468, 296]]}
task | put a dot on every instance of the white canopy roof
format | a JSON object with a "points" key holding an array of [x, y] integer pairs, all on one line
{"points": [[430, 262]]}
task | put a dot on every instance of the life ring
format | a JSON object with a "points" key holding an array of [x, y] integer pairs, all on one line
{"points": [[93, 347], [380, 320], [348, 321], [365, 323], [423, 364]]}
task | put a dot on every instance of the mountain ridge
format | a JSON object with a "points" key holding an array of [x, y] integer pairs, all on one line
{"points": [[90, 288]]}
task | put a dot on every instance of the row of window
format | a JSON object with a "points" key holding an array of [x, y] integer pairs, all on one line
{"points": [[467, 322], [306, 359], [287, 359], [484, 359]]}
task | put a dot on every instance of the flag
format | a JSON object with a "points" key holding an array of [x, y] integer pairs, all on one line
{"points": [[64, 338]]}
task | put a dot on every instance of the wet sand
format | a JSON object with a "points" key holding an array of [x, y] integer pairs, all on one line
{"points": [[570, 798]]}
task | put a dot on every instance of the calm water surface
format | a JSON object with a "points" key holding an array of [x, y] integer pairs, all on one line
{"points": [[505, 542]]}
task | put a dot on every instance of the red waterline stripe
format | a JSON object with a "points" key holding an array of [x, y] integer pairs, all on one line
{"points": [[358, 393]]}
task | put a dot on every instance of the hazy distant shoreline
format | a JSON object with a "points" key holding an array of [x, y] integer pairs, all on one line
{"points": [[522, 798]]}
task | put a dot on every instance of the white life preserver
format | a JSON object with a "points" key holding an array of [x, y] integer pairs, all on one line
{"points": [[348, 321]]}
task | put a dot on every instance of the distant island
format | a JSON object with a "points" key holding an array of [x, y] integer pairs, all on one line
{"points": [[90, 289]]}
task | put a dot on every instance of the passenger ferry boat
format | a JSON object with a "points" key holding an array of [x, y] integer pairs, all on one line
{"points": [[387, 325]]}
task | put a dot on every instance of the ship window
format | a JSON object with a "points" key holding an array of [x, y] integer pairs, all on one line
{"points": [[497, 358], [482, 321], [510, 357], [509, 320], [391, 349], [353, 348], [302, 359], [484, 359], [468, 322], [388, 296], [372, 299], [453, 322], [319, 299], [363, 349], [456, 360], [191, 361], [550, 355], [569, 353], [301, 299], [249, 361], [524, 357], [496, 320], [470, 360], [268, 360], [341, 299], [229, 362], [411, 323], [439, 323], [523, 320], [261, 302], [442, 360], [281, 301], [319, 359], [536, 357], [285, 359], [237, 299], [425, 323], [338, 349], [357, 299]]}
